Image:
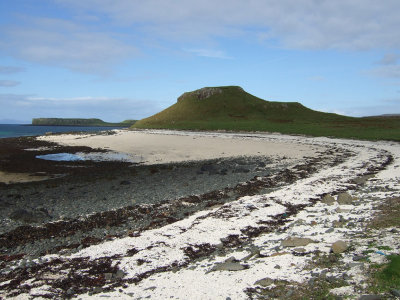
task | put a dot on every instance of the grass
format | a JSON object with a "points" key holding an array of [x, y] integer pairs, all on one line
{"points": [[389, 214], [386, 276], [236, 110]]}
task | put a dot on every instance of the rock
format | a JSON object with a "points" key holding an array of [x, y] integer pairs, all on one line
{"points": [[344, 198], [296, 242], [359, 257], [261, 164], [339, 247], [23, 215], [201, 94], [210, 168], [328, 199], [231, 264], [370, 297], [120, 274], [240, 170], [299, 250], [264, 282], [395, 292], [108, 276], [70, 291], [125, 182], [330, 230]]}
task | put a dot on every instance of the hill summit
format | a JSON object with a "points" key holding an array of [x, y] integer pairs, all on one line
{"points": [[232, 108], [227, 107]]}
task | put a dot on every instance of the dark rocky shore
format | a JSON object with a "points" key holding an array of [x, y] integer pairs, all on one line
{"points": [[86, 202]]}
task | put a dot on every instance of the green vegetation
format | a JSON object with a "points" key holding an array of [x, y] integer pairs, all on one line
{"points": [[231, 108], [78, 122], [387, 276], [389, 214]]}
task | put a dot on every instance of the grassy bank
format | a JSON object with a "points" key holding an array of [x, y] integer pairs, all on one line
{"points": [[78, 122], [231, 108]]}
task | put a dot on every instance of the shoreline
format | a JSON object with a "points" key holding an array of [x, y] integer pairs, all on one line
{"points": [[235, 242]]}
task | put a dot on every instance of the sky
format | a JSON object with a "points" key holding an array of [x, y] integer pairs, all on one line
{"points": [[129, 59]]}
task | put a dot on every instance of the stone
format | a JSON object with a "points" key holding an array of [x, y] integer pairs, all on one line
{"points": [[70, 291], [359, 257], [228, 266], [330, 230], [108, 276], [210, 168], [264, 282], [344, 198], [23, 215], [299, 250], [296, 242], [231, 264], [125, 182], [370, 297], [328, 199], [240, 170], [339, 247], [395, 292]]}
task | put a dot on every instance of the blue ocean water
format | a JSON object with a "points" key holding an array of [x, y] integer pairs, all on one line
{"points": [[15, 130]]}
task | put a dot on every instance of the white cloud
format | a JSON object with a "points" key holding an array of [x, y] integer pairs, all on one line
{"points": [[388, 66], [10, 69], [305, 24], [209, 53], [389, 59], [63, 43], [8, 83]]}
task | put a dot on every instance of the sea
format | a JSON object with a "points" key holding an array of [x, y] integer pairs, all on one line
{"points": [[16, 130]]}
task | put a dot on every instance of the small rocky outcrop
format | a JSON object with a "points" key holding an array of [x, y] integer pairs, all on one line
{"points": [[202, 94]]}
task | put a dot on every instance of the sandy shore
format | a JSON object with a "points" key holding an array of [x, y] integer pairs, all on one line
{"points": [[157, 147]]}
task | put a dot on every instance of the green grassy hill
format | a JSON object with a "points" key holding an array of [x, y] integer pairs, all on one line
{"points": [[231, 108], [78, 122]]}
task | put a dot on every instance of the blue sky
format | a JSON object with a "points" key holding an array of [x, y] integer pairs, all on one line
{"points": [[128, 59]]}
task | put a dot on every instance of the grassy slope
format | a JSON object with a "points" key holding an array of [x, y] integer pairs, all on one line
{"points": [[234, 109], [78, 122]]}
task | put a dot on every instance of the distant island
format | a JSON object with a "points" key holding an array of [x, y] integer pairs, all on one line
{"points": [[79, 122]]}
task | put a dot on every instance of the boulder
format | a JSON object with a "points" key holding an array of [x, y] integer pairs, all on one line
{"points": [[264, 282], [231, 264], [344, 198], [35, 216], [328, 199], [339, 247], [296, 242]]}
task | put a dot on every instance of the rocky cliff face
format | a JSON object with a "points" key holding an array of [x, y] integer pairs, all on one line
{"points": [[201, 94]]}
